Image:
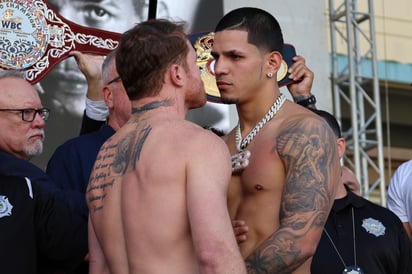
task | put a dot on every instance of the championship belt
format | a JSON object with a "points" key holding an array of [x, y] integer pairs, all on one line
{"points": [[34, 38]]}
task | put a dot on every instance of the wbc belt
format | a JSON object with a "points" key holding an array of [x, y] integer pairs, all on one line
{"points": [[34, 38]]}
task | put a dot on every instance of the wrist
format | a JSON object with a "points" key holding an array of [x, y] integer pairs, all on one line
{"points": [[96, 110], [301, 97], [305, 101]]}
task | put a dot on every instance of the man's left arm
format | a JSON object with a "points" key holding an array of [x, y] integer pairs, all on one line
{"points": [[97, 260]]}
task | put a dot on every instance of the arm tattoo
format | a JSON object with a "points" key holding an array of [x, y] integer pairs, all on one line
{"points": [[309, 153]]}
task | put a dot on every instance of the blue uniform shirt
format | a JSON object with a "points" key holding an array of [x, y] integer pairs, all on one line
{"points": [[71, 165]]}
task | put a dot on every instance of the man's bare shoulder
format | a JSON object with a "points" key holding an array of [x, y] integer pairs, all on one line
{"points": [[302, 131], [300, 119], [204, 138]]}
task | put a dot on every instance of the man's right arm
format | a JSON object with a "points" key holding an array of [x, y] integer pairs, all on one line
{"points": [[93, 119], [96, 110], [208, 174]]}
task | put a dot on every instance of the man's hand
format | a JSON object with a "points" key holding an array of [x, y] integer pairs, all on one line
{"points": [[91, 66], [240, 229], [303, 75]]}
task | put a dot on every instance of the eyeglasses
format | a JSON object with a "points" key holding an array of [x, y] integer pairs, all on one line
{"points": [[28, 114], [113, 80]]}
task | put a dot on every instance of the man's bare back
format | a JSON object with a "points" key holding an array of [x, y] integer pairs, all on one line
{"points": [[158, 191], [142, 188]]}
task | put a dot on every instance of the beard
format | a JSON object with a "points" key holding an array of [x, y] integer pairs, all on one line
{"points": [[228, 101], [34, 148], [197, 97]]}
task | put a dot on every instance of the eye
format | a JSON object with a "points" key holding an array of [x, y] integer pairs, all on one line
{"points": [[95, 14], [235, 56], [28, 112]]}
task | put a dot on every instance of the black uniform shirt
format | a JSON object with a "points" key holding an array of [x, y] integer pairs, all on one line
{"points": [[382, 245], [34, 225]]}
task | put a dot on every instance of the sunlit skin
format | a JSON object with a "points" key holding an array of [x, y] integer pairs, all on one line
{"points": [[285, 193], [349, 179], [181, 196]]}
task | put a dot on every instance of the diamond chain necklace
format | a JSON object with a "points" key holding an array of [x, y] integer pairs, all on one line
{"points": [[241, 144]]}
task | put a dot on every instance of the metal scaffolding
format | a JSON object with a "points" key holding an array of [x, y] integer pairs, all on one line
{"points": [[355, 87]]}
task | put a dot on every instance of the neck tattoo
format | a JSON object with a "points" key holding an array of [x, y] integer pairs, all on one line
{"points": [[352, 269], [150, 106], [241, 159]]}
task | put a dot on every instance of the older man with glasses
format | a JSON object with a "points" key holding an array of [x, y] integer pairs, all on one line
{"points": [[28, 114], [23, 130], [71, 163], [40, 232]]}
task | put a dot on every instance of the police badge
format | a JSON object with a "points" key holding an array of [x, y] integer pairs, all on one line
{"points": [[374, 227], [5, 206]]}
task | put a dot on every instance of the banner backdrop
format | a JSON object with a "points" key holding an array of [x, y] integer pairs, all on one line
{"points": [[63, 89]]}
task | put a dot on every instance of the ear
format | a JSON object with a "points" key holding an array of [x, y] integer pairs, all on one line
{"points": [[177, 75], [274, 62], [108, 97], [341, 147]]}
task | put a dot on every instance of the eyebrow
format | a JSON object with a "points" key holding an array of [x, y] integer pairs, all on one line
{"points": [[228, 52]]}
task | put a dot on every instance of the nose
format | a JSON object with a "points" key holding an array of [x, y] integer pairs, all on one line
{"points": [[218, 67], [38, 122]]}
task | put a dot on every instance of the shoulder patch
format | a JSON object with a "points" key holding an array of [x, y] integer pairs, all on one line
{"points": [[5, 206], [374, 227]]}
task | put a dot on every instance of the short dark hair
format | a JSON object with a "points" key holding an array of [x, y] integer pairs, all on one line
{"points": [[263, 29], [331, 120], [146, 51]]}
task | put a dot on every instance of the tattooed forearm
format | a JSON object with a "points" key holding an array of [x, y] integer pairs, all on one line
{"points": [[259, 263], [277, 254]]}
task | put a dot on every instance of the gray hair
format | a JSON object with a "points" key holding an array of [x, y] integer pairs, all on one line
{"points": [[110, 58]]}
